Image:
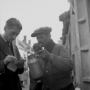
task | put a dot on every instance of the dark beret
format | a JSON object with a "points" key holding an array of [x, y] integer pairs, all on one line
{"points": [[41, 30]]}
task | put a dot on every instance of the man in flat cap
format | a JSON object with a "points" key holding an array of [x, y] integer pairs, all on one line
{"points": [[58, 65]]}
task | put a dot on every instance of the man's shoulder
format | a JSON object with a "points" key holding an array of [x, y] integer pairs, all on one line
{"points": [[0, 36], [59, 46], [56, 48], [1, 40]]}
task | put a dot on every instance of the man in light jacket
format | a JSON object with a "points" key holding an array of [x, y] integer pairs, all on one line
{"points": [[11, 63]]}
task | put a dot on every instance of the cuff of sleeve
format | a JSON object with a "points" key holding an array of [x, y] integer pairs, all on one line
{"points": [[51, 57]]}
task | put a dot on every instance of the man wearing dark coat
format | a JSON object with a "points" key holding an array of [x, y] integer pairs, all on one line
{"points": [[57, 72], [11, 63]]}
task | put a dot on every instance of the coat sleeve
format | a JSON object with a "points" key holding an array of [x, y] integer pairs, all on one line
{"points": [[62, 61], [2, 66], [2, 69]]}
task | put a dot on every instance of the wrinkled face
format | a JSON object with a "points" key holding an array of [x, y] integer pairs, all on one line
{"points": [[42, 39], [11, 34]]}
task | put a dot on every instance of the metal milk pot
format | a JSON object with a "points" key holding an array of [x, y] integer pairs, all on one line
{"points": [[35, 68]]}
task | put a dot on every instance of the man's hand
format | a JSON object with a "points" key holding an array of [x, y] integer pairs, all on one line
{"points": [[9, 59], [31, 56], [45, 54], [20, 63]]}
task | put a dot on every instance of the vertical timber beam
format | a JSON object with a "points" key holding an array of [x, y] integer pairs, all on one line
{"points": [[82, 20], [78, 62]]}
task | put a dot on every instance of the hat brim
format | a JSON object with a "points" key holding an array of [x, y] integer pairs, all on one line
{"points": [[34, 34], [38, 33], [42, 30]]}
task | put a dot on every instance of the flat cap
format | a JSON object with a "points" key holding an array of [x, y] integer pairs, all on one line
{"points": [[41, 30]]}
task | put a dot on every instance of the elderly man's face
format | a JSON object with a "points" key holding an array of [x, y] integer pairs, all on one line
{"points": [[12, 33], [42, 39]]}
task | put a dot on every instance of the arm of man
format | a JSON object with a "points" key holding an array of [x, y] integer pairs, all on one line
{"points": [[62, 61], [2, 64]]}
